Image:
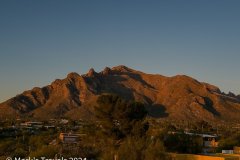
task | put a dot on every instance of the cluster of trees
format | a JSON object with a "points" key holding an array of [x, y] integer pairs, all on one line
{"points": [[28, 145], [120, 118], [183, 143], [227, 141], [124, 127]]}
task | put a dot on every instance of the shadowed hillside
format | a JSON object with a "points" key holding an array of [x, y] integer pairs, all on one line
{"points": [[179, 97]]}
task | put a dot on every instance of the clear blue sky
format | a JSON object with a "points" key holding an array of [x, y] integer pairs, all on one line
{"points": [[44, 40]]}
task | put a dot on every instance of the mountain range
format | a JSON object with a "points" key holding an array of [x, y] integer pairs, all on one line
{"points": [[179, 97]]}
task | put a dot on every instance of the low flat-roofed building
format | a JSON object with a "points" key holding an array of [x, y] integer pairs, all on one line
{"points": [[70, 137], [49, 127], [227, 151], [31, 124], [210, 142]]}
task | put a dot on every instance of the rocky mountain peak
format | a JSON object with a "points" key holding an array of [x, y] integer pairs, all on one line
{"points": [[178, 97], [106, 71], [73, 75], [91, 73], [122, 68]]}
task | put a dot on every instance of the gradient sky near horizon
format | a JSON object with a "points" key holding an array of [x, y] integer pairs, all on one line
{"points": [[44, 40]]}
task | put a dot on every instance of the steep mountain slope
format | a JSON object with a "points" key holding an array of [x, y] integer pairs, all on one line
{"points": [[179, 97]]}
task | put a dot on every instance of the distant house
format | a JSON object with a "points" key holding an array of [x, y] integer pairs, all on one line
{"points": [[52, 121], [210, 142], [236, 150], [49, 127], [70, 137], [32, 124], [64, 121], [227, 151]]}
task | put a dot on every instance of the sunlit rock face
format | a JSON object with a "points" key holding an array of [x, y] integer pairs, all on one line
{"points": [[179, 97]]}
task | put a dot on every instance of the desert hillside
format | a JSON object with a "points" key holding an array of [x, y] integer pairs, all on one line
{"points": [[178, 97]]}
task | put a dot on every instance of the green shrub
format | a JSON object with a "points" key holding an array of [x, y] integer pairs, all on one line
{"points": [[45, 151]]}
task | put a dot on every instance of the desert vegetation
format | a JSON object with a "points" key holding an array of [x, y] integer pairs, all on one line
{"points": [[121, 130]]}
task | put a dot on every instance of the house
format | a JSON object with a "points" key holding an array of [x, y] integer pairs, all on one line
{"points": [[236, 150], [49, 127], [70, 137], [32, 124], [227, 151], [52, 121], [210, 142], [64, 121]]}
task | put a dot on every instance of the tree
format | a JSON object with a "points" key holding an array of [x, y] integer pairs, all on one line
{"points": [[119, 118], [45, 151], [7, 147], [20, 152], [229, 142], [156, 151], [144, 148], [183, 143]]}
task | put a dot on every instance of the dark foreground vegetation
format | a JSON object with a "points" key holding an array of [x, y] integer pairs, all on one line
{"points": [[121, 131]]}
